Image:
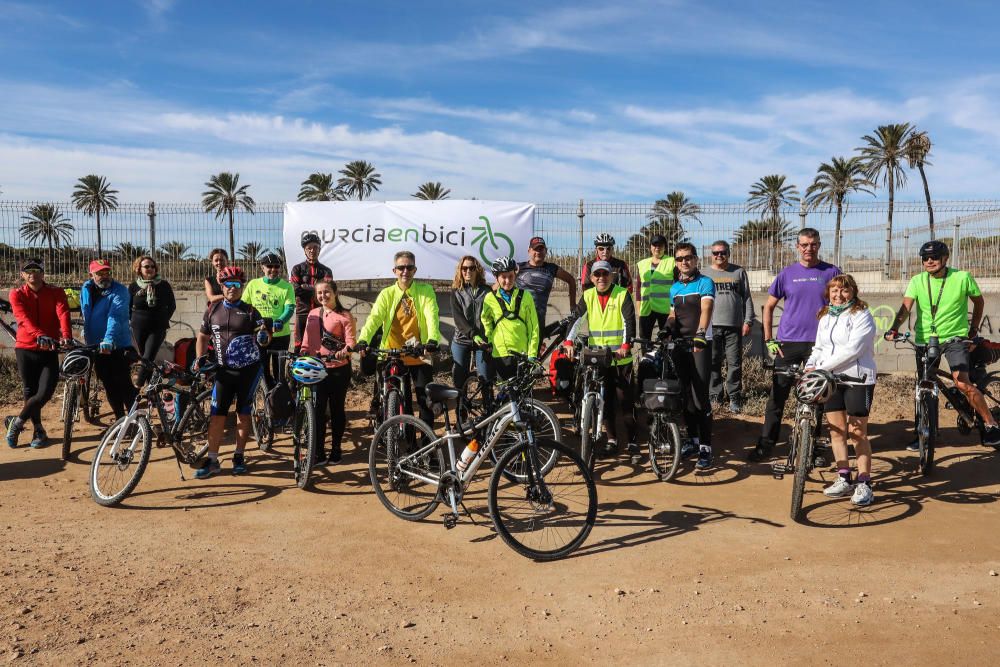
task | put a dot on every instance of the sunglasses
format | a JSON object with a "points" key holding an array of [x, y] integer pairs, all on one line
{"points": [[684, 258], [232, 284], [272, 266], [604, 247], [930, 258], [104, 273], [539, 248], [720, 253], [405, 267], [601, 274], [33, 271], [468, 268]]}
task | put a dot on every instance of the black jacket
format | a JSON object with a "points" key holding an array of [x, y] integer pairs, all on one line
{"points": [[157, 317], [467, 310]]}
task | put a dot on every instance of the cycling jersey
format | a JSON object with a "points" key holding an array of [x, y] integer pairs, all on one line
{"points": [[538, 281], [41, 313], [686, 297], [233, 328], [948, 298], [304, 276], [620, 274]]}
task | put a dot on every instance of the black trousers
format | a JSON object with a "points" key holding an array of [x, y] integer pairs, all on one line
{"points": [[331, 396], [271, 362], [646, 323], [727, 345], [147, 340], [39, 371], [113, 371], [781, 385], [420, 377], [694, 370], [619, 403]]}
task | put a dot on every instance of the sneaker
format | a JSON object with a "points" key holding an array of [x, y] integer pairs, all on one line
{"points": [[991, 436], [239, 463], [635, 454], [863, 495], [689, 449], [762, 452], [840, 488], [208, 468], [14, 428], [735, 407], [335, 458], [913, 446], [39, 440], [610, 447], [820, 459], [704, 458]]}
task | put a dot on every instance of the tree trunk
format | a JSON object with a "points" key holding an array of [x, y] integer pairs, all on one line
{"points": [[888, 226], [232, 238], [100, 250], [836, 232], [927, 196], [49, 266]]}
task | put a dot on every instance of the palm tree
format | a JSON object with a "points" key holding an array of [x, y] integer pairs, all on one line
{"points": [[46, 223], [834, 181], [359, 179], [129, 251], [320, 187], [225, 195], [769, 234], [668, 215], [918, 147], [251, 251], [431, 191], [883, 157], [175, 251], [770, 193], [93, 195]]}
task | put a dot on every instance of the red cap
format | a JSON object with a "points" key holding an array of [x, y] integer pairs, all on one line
{"points": [[99, 265], [536, 241]]}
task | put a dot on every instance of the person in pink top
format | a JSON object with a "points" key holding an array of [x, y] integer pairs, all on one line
{"points": [[330, 330]]}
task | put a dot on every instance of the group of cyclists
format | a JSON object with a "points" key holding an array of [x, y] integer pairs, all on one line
{"points": [[826, 328]]}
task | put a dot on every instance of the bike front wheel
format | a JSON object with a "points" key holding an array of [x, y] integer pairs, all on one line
{"points": [[71, 406], [118, 466], [927, 423], [192, 430], [405, 484], [664, 448], [304, 453], [802, 465], [590, 433], [544, 426], [548, 518]]}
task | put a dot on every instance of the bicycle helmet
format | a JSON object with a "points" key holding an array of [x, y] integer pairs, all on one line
{"points": [[815, 387], [503, 265], [938, 248], [229, 273], [75, 364], [604, 239], [310, 238], [308, 370]]}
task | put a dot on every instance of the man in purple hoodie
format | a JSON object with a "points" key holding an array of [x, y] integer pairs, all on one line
{"points": [[802, 286]]}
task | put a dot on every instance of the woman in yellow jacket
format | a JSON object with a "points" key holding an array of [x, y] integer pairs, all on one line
{"points": [[509, 319]]}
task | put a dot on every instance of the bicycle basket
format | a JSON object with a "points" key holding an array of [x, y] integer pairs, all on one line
{"points": [[601, 358], [663, 395]]}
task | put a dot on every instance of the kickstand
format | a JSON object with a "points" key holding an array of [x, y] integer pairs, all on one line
{"points": [[179, 468], [468, 514]]}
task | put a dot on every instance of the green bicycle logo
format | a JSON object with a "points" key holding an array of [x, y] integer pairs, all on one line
{"points": [[486, 234]]}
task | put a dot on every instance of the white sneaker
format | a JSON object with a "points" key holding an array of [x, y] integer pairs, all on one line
{"points": [[863, 495], [840, 488]]}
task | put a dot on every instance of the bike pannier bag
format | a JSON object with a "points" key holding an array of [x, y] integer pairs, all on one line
{"points": [[601, 358], [184, 353], [280, 401], [662, 395]]}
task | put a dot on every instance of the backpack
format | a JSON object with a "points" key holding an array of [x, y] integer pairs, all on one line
{"points": [[510, 313], [280, 401], [184, 350]]}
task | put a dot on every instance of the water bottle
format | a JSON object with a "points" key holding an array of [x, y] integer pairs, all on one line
{"points": [[169, 407], [933, 350], [468, 454]]}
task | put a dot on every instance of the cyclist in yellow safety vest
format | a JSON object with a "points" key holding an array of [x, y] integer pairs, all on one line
{"points": [[654, 276], [610, 316], [509, 319]]}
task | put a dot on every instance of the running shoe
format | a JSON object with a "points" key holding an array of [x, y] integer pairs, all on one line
{"points": [[840, 488], [208, 468], [991, 436], [735, 407], [14, 428], [704, 458], [761, 452], [863, 495], [635, 454], [239, 463], [913, 446], [335, 458], [39, 439], [689, 449]]}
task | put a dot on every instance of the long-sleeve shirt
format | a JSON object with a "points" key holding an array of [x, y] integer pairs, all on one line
{"points": [[733, 300], [845, 343], [105, 314], [339, 325], [41, 313], [467, 310], [158, 316]]}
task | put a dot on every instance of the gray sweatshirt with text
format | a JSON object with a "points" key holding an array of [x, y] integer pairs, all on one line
{"points": [[733, 302]]}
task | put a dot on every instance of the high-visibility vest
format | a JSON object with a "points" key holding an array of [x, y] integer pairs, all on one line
{"points": [[607, 325], [654, 285]]}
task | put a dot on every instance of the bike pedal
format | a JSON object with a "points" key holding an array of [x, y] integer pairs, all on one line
{"points": [[449, 520], [778, 470]]}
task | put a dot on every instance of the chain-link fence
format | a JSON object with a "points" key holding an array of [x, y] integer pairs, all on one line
{"points": [[183, 234]]}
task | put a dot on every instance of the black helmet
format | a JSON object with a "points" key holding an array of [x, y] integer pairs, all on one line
{"points": [[270, 259], [938, 248], [310, 238], [503, 265], [604, 239]]}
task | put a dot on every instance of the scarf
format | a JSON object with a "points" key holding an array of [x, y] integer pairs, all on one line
{"points": [[150, 287], [837, 310]]}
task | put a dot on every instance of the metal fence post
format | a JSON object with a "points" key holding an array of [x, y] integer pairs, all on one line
{"points": [[802, 214], [579, 247], [152, 230], [954, 244], [906, 256]]}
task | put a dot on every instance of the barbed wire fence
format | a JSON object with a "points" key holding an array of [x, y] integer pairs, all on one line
{"points": [[182, 234]]}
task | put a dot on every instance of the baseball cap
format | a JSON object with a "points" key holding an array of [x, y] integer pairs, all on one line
{"points": [[33, 265], [536, 241], [99, 265], [659, 239], [599, 265], [270, 259]]}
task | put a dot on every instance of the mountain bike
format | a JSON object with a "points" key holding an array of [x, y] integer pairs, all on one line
{"points": [[801, 442], [664, 400], [540, 515], [595, 363], [125, 447], [931, 384], [81, 395], [486, 233]]}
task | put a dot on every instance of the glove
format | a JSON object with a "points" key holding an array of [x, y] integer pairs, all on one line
{"points": [[262, 338], [105, 347], [773, 346], [46, 342], [891, 334], [698, 341], [431, 346], [277, 325], [66, 342], [197, 364], [361, 347]]}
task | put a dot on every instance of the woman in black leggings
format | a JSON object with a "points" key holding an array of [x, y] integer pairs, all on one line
{"points": [[153, 305]]}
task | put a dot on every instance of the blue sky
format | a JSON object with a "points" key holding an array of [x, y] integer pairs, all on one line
{"points": [[530, 101]]}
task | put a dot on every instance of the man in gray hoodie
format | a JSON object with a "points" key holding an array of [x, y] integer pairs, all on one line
{"points": [[731, 321]]}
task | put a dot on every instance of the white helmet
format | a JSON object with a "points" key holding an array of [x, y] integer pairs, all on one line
{"points": [[815, 387], [75, 364], [503, 265], [604, 239], [308, 370]]}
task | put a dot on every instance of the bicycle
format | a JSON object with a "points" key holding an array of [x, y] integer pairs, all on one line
{"points": [[125, 447], [664, 400], [801, 443], [929, 387], [544, 507], [594, 364], [486, 233], [81, 393]]}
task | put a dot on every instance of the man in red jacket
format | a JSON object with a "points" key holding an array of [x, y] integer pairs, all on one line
{"points": [[42, 316]]}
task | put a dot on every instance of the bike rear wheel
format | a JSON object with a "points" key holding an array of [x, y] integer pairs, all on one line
{"points": [[192, 430], [304, 440], [71, 406], [544, 519], [544, 426], [406, 486], [590, 435], [927, 424], [116, 471], [664, 448], [803, 463], [263, 428]]}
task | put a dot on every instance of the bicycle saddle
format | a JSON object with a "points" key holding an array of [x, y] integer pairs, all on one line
{"points": [[439, 393]]}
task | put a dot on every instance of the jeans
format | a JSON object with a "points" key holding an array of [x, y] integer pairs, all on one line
{"points": [[781, 386], [727, 343], [462, 354]]}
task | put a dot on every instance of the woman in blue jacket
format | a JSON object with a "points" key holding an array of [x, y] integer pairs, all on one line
{"points": [[104, 304]]}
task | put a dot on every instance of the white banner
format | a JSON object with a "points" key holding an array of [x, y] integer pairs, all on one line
{"points": [[359, 239]]}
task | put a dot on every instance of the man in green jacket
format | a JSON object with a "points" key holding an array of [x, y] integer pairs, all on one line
{"points": [[406, 312], [274, 299], [509, 319]]}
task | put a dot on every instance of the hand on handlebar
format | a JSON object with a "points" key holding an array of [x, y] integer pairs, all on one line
{"points": [[46, 342], [622, 352], [431, 346], [361, 348], [105, 347], [774, 347]]}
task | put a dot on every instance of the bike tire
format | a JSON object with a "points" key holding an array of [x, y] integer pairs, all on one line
{"points": [[71, 404], [130, 463], [90, 400], [589, 436], [305, 443], [531, 528], [803, 463], [991, 392], [263, 427], [193, 426], [927, 425], [664, 448], [473, 403], [395, 486], [544, 426]]}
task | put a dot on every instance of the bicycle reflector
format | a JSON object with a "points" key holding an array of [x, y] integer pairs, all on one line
{"points": [[75, 364], [815, 387], [308, 370]]}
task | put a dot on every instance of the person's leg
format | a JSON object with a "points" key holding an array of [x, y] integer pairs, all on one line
{"points": [[702, 362], [422, 375], [859, 401], [223, 393], [460, 355], [122, 374], [323, 392], [836, 417], [29, 364], [781, 386], [717, 349], [48, 378], [338, 414], [646, 323], [300, 327], [625, 398], [734, 368], [104, 369], [483, 365]]}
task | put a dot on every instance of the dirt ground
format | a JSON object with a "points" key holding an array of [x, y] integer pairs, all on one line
{"points": [[705, 569]]}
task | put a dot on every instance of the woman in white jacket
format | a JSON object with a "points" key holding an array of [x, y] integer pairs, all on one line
{"points": [[845, 343]]}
